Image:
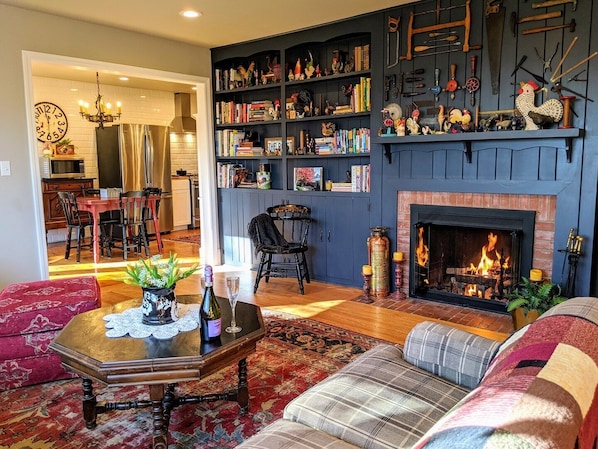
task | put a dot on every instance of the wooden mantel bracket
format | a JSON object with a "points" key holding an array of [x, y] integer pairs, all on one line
{"points": [[467, 148], [387, 152], [569, 148]]}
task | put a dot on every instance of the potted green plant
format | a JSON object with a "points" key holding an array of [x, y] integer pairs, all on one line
{"points": [[64, 147], [530, 299], [157, 278]]}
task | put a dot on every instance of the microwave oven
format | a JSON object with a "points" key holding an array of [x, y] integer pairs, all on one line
{"points": [[62, 167]]}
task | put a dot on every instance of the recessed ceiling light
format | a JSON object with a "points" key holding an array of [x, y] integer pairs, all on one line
{"points": [[124, 78], [190, 14]]}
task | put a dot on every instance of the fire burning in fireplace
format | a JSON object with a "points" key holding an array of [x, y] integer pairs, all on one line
{"points": [[466, 255]]}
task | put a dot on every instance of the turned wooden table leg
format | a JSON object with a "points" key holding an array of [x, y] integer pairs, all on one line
{"points": [[160, 433], [89, 404], [243, 387]]}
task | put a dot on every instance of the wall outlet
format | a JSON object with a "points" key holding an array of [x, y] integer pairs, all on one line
{"points": [[4, 168]]}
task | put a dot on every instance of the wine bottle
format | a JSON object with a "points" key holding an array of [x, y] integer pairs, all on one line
{"points": [[209, 313]]}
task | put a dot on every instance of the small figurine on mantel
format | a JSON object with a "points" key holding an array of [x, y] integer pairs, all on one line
{"points": [[536, 117]]}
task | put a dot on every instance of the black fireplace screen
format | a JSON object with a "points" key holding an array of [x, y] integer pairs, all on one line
{"points": [[469, 256]]}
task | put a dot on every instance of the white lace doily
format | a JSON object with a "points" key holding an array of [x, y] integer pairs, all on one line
{"points": [[129, 322]]}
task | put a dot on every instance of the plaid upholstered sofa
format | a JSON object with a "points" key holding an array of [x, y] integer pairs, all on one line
{"points": [[450, 389]]}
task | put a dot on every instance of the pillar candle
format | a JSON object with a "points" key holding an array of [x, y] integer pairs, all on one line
{"points": [[535, 275], [397, 256], [366, 269]]}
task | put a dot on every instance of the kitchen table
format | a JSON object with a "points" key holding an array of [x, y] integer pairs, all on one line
{"points": [[96, 206]]}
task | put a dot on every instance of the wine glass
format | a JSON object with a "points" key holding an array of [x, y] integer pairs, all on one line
{"points": [[232, 290]]}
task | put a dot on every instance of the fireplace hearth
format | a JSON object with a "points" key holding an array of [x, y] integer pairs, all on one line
{"points": [[469, 256]]}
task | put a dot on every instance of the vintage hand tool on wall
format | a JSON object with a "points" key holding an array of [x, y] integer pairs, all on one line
{"points": [[466, 23], [537, 77], [495, 23], [393, 29], [452, 85], [571, 25], [515, 21], [473, 83], [550, 3], [556, 77]]}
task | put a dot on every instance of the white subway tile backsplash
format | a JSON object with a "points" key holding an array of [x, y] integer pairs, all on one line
{"points": [[138, 106]]}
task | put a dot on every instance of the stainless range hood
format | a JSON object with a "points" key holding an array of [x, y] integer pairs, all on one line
{"points": [[183, 122]]}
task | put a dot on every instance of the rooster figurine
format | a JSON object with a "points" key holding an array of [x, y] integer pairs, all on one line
{"points": [[549, 112]]}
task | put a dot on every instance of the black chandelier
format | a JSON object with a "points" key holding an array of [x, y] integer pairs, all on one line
{"points": [[103, 110]]}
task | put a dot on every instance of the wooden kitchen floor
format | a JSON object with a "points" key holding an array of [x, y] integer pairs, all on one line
{"points": [[388, 318]]}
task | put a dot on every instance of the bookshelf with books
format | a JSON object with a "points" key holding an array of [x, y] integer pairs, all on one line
{"points": [[313, 116]]}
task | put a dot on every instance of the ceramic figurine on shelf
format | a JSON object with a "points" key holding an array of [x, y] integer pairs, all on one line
{"points": [[291, 75], [337, 64], [536, 117], [309, 66], [318, 72], [298, 71]]}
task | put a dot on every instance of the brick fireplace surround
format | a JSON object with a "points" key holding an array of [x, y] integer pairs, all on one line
{"points": [[543, 205]]}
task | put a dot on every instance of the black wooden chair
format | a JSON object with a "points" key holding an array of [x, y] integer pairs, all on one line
{"points": [[148, 217], [76, 220], [129, 233], [280, 237]]}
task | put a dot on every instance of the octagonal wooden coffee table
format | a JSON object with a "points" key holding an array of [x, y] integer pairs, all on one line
{"points": [[86, 350]]}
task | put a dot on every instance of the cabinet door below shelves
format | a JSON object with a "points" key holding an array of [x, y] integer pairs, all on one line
{"points": [[338, 238]]}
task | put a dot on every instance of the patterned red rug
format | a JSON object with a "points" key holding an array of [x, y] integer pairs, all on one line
{"points": [[295, 354]]}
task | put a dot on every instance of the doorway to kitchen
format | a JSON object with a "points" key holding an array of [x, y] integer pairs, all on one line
{"points": [[209, 247]]}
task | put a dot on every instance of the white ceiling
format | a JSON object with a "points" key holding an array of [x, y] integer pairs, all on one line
{"points": [[223, 22]]}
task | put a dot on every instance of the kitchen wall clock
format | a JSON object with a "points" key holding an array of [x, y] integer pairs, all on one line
{"points": [[51, 123]]}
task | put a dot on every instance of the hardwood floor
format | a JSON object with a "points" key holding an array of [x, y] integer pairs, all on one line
{"points": [[388, 318]]}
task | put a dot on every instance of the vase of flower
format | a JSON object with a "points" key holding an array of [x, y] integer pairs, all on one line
{"points": [[157, 278], [159, 305]]}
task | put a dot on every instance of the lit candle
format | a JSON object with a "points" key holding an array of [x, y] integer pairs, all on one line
{"points": [[86, 107], [118, 107], [535, 275], [81, 107], [397, 256], [108, 108], [367, 270]]}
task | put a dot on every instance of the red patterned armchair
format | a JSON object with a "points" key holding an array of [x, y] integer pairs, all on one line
{"points": [[31, 315]]}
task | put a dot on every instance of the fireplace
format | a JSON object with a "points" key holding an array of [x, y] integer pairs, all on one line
{"points": [[469, 256]]}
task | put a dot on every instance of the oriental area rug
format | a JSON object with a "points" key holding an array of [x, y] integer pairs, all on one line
{"points": [[295, 354]]}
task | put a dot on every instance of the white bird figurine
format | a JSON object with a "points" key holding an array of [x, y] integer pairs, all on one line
{"points": [[551, 111]]}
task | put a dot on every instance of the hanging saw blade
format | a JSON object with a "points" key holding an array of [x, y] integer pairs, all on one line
{"points": [[495, 24]]}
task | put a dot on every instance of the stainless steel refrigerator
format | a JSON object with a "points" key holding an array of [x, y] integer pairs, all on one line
{"points": [[133, 157]]}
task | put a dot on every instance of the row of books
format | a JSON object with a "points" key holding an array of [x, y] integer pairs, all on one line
{"points": [[233, 176], [360, 99], [360, 180], [227, 141], [361, 53], [344, 141], [229, 112]]}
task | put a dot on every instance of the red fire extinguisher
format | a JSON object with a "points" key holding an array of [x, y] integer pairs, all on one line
{"points": [[379, 259]]}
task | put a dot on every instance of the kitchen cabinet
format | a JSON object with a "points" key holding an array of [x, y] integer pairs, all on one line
{"points": [[181, 203], [53, 214]]}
